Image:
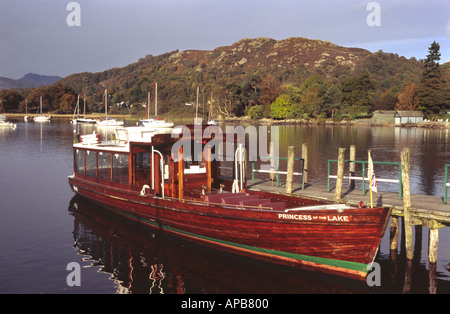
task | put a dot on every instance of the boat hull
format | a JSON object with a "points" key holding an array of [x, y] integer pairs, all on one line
{"points": [[324, 240]]}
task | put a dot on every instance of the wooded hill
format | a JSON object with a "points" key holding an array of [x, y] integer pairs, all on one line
{"points": [[313, 75]]}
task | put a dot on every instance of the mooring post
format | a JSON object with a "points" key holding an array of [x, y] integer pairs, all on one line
{"points": [[405, 161], [340, 173], [394, 233], [433, 245], [352, 166], [290, 169], [305, 162]]}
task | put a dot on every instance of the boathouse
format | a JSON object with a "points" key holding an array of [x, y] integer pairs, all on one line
{"points": [[407, 116], [383, 117]]}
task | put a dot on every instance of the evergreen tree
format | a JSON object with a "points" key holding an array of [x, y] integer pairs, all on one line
{"points": [[433, 92], [431, 63]]}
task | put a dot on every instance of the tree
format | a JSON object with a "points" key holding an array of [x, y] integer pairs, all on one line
{"points": [[433, 92], [9, 100], [357, 93], [312, 100], [66, 103], [332, 99], [408, 100], [269, 91], [280, 107], [431, 63], [256, 112]]}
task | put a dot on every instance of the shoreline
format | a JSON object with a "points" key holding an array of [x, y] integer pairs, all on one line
{"points": [[263, 121]]}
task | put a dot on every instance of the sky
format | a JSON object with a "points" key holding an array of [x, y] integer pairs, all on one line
{"points": [[54, 37]]}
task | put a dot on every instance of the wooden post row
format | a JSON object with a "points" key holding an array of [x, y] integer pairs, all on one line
{"points": [[340, 174]]}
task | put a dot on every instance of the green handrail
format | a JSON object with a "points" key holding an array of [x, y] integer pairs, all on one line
{"points": [[278, 169], [364, 162], [446, 181]]}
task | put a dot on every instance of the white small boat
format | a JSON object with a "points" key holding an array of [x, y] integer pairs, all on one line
{"points": [[81, 119], [108, 121], [7, 124], [213, 122], [27, 117], [41, 117], [155, 122]]}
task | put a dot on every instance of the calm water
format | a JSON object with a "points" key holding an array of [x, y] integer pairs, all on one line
{"points": [[43, 227]]}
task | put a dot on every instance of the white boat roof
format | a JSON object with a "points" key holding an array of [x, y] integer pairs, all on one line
{"points": [[123, 137], [113, 146]]}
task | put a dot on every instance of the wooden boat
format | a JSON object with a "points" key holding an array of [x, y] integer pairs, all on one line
{"points": [[139, 177]]}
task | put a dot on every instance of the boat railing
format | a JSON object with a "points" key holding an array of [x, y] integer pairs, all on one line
{"points": [[204, 203], [365, 177], [162, 169], [239, 168]]}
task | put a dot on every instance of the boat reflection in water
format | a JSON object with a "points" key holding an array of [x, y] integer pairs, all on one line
{"points": [[142, 262]]}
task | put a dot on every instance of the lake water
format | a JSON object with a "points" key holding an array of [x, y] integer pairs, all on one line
{"points": [[43, 227]]}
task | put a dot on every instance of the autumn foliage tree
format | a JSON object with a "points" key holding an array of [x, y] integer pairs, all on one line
{"points": [[408, 100]]}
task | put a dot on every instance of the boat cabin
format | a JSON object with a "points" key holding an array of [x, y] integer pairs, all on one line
{"points": [[144, 159]]}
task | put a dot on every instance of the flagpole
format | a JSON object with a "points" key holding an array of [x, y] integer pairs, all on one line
{"points": [[370, 179]]}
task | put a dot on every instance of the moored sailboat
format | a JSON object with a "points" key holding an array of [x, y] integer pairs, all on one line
{"points": [[108, 121], [155, 122], [41, 117], [80, 119]]}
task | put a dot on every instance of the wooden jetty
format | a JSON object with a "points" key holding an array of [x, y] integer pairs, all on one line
{"points": [[417, 210]]}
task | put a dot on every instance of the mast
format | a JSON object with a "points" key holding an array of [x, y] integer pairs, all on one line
{"points": [[78, 106], [148, 106], [156, 100], [106, 103], [196, 107]]}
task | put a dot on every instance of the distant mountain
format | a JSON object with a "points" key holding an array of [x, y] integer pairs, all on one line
{"points": [[40, 80], [29, 80]]}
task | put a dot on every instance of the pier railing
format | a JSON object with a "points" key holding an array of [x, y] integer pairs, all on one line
{"points": [[363, 177], [446, 183], [276, 171]]}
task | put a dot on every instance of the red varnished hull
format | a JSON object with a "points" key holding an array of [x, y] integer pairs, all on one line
{"points": [[325, 240]]}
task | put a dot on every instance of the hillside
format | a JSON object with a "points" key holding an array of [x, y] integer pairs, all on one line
{"points": [[248, 61]]}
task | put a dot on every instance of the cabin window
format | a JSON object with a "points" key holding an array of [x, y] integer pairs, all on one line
{"points": [[104, 166], [120, 168], [91, 163], [79, 161]]}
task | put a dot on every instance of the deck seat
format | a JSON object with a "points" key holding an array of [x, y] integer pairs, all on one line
{"points": [[258, 202], [278, 206], [235, 200], [217, 198]]}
